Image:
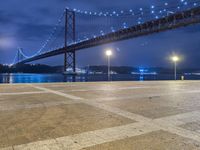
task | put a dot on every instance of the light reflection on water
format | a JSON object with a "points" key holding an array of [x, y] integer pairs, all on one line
{"points": [[38, 78], [33, 78], [45, 78]]}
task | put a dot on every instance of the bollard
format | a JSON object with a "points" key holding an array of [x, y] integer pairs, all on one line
{"points": [[182, 78]]}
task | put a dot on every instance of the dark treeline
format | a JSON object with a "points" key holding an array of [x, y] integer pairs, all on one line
{"points": [[117, 69], [38, 68], [26, 68], [129, 70]]}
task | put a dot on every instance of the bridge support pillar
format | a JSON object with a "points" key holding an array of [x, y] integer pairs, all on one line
{"points": [[70, 38], [70, 62]]}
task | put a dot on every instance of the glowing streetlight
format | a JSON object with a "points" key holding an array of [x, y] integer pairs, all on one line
{"points": [[108, 54], [175, 59]]}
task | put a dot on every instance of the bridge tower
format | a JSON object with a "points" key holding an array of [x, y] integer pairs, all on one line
{"points": [[20, 57], [70, 37]]}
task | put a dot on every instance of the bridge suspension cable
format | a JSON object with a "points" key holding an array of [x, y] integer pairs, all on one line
{"points": [[51, 36], [132, 12], [90, 24], [103, 23]]}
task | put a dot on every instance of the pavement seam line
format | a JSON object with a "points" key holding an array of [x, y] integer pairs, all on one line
{"points": [[58, 93], [130, 115], [114, 110], [161, 125], [123, 88], [23, 93], [146, 96], [30, 106], [90, 138]]}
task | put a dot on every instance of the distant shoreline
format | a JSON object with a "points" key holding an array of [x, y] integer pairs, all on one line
{"points": [[101, 69]]}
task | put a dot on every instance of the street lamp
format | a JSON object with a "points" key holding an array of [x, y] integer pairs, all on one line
{"points": [[175, 59], [108, 54]]}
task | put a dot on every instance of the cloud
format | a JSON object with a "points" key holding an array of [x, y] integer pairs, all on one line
{"points": [[6, 43]]}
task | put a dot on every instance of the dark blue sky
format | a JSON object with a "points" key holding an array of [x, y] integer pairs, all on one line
{"points": [[27, 23]]}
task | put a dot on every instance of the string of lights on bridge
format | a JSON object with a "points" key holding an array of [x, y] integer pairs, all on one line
{"points": [[45, 43], [143, 12], [155, 11], [124, 13]]}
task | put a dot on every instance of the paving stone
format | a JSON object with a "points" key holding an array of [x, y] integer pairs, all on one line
{"points": [[158, 140]]}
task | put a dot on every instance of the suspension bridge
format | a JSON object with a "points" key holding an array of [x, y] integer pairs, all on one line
{"points": [[77, 30]]}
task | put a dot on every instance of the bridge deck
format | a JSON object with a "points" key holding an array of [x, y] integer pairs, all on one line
{"points": [[93, 116], [177, 20]]}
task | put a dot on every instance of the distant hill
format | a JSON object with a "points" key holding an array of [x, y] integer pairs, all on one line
{"points": [[27, 68], [39, 68], [129, 70]]}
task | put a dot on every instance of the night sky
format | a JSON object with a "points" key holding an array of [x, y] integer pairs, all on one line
{"points": [[27, 23]]}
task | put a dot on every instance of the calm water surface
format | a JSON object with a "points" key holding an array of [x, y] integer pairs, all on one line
{"points": [[45, 78]]}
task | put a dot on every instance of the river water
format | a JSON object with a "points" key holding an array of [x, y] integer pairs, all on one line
{"points": [[45, 78]]}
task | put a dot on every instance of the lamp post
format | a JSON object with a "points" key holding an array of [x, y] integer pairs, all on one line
{"points": [[175, 59], [108, 54]]}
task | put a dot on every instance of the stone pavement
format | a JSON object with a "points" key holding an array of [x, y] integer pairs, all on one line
{"points": [[154, 115]]}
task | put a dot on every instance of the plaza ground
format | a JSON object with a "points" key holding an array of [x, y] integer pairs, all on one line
{"points": [[153, 115]]}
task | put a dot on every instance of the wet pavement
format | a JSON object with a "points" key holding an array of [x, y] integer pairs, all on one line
{"points": [[150, 115]]}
